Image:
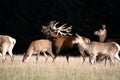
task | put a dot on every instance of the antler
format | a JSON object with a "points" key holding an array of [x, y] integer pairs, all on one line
{"points": [[53, 24], [62, 30]]}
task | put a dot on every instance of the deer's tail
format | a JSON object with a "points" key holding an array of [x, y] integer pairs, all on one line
{"points": [[117, 53]]}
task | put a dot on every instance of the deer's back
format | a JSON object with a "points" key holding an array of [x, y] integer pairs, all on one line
{"points": [[103, 47], [40, 44]]}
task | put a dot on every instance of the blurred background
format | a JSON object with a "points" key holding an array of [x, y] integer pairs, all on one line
{"points": [[22, 19]]}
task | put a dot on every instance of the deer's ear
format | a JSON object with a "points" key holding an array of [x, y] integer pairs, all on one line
{"points": [[103, 26], [77, 35]]}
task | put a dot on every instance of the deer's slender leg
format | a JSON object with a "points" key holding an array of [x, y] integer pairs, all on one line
{"points": [[11, 55], [67, 57], [37, 57], [46, 57]]}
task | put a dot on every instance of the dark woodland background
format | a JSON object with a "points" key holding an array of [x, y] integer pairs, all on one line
{"points": [[22, 19]]}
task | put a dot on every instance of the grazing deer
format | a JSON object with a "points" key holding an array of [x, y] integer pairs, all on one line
{"points": [[102, 34], [38, 46], [6, 45], [94, 48], [62, 38]]}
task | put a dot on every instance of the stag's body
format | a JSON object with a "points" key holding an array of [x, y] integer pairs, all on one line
{"points": [[38, 46], [63, 41], [6, 45], [94, 48]]}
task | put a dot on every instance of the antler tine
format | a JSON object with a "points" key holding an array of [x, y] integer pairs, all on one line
{"points": [[64, 31], [68, 29], [62, 27], [51, 24], [54, 26]]}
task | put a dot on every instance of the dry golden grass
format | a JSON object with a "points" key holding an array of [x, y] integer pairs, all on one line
{"points": [[61, 70]]}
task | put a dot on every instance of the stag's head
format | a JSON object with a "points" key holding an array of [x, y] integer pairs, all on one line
{"points": [[53, 30]]}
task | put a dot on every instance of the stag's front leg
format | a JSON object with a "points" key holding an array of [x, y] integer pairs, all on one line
{"points": [[67, 57], [57, 52]]}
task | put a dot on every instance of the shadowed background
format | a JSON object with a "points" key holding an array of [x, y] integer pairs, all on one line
{"points": [[22, 19]]}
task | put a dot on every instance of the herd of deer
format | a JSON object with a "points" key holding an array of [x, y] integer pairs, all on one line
{"points": [[60, 38]]}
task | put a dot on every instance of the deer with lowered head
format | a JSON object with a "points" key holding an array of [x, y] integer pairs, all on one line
{"points": [[62, 38], [38, 46], [6, 45], [94, 48]]}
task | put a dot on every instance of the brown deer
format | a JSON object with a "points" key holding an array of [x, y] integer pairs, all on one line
{"points": [[62, 38], [38, 46], [6, 45], [102, 34], [94, 48]]}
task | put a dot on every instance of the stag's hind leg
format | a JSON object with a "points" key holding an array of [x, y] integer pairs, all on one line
{"points": [[67, 57], [57, 52]]}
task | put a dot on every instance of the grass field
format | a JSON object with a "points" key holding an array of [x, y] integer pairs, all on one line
{"points": [[61, 70]]}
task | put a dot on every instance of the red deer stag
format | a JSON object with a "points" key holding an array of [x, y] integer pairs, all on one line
{"points": [[62, 39], [38, 46], [102, 34], [94, 48], [6, 45]]}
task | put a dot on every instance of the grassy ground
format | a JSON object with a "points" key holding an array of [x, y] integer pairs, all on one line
{"points": [[61, 70]]}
